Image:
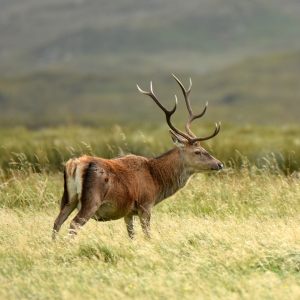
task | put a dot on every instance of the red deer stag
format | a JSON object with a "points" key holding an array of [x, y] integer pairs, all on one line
{"points": [[123, 187]]}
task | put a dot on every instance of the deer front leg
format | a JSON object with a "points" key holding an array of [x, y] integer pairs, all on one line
{"points": [[145, 215], [129, 221]]}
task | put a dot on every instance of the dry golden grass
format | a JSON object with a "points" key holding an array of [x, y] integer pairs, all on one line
{"points": [[235, 235]]}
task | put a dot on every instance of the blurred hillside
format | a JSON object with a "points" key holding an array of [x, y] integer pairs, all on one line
{"points": [[66, 62]]}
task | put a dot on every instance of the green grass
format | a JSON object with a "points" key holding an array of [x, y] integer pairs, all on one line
{"points": [[46, 150]]}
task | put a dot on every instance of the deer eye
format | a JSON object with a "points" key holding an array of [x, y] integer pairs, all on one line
{"points": [[197, 152]]}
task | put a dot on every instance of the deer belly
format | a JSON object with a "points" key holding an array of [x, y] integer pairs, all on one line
{"points": [[108, 210]]}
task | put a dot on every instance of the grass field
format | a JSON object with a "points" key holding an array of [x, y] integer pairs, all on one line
{"points": [[47, 149], [68, 77], [232, 235]]}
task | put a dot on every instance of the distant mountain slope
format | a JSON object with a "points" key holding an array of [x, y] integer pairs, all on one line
{"points": [[257, 90], [134, 35]]}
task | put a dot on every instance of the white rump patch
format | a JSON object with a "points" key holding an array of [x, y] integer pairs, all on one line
{"points": [[75, 186]]}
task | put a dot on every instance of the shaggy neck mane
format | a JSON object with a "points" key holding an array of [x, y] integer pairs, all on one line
{"points": [[170, 173]]}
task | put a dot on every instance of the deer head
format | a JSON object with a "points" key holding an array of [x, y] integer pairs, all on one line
{"points": [[192, 155]]}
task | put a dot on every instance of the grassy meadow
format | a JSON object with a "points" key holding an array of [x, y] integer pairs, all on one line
{"points": [[68, 74], [230, 235]]}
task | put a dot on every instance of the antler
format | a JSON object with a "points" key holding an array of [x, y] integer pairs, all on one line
{"points": [[167, 112], [190, 137], [192, 116]]}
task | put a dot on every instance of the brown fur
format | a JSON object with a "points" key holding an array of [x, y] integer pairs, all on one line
{"points": [[127, 186]]}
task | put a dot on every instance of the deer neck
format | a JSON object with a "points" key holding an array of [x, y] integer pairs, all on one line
{"points": [[170, 173]]}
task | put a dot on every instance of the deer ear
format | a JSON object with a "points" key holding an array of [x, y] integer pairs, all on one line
{"points": [[177, 139]]}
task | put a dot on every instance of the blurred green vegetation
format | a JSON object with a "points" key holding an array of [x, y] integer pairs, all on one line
{"points": [[82, 97], [129, 37], [46, 150], [262, 90]]}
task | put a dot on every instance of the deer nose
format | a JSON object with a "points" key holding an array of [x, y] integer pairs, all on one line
{"points": [[220, 166]]}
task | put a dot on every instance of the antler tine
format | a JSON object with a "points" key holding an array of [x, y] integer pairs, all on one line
{"points": [[217, 130], [151, 94], [192, 118], [188, 105], [167, 112]]}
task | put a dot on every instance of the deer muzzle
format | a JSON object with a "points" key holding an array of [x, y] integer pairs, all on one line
{"points": [[217, 167]]}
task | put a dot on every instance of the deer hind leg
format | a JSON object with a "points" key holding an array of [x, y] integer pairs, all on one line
{"points": [[62, 217], [87, 210], [129, 221], [66, 208], [90, 198], [145, 215]]}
